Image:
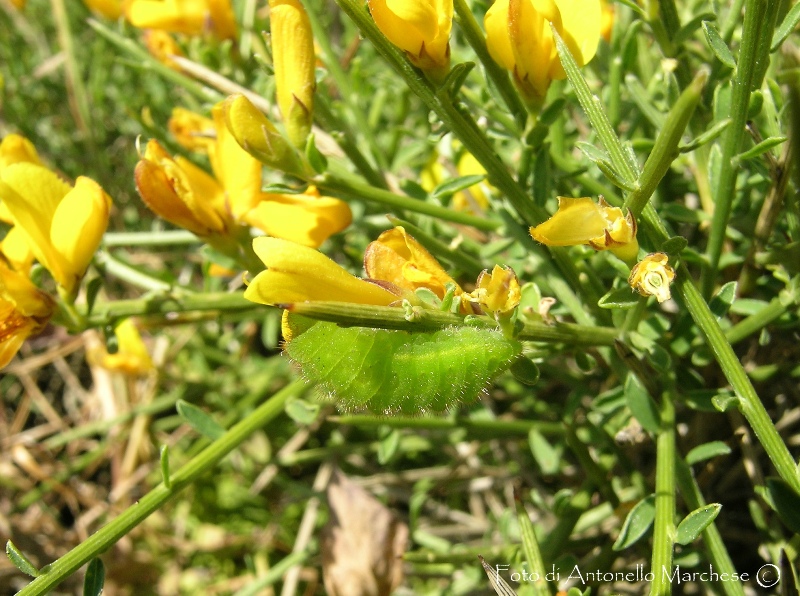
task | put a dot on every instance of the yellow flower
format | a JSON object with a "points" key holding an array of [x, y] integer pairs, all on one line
{"points": [[582, 221], [308, 219], [294, 62], [607, 19], [14, 248], [497, 292], [24, 311], [519, 39], [297, 273], [214, 206], [397, 258], [474, 199], [17, 149], [419, 27], [131, 357], [62, 225], [191, 17], [110, 9], [652, 276], [162, 46], [192, 130]]}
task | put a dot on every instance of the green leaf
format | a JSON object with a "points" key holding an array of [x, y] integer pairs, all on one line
{"points": [[302, 411], [785, 29], [20, 561], [450, 187], [698, 520], [199, 420], [387, 448], [317, 161], [619, 298], [639, 520], [723, 300], [285, 189], [707, 451], [785, 502], [685, 32], [761, 148], [674, 245], [718, 45], [95, 578], [706, 137], [725, 401], [547, 457], [525, 371], [642, 405], [165, 473], [455, 79], [92, 289]]}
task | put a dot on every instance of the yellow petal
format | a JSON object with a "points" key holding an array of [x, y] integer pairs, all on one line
{"points": [[577, 221], [238, 172], [305, 219], [110, 9], [192, 130], [17, 149], [296, 273], [222, 19], [294, 61], [419, 27], [131, 358], [497, 292], [399, 259], [175, 16], [78, 225], [498, 40], [652, 276], [32, 194], [164, 47], [14, 247], [582, 22]]}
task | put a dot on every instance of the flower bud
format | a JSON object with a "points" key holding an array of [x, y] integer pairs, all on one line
{"points": [[652, 276]]}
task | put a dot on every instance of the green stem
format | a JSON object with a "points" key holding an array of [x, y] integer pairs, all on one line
{"points": [[665, 149], [162, 238], [107, 264], [355, 189], [754, 27], [664, 527], [104, 313], [387, 317], [498, 75], [757, 321], [108, 535]]}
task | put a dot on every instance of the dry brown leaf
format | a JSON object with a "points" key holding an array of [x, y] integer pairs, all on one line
{"points": [[362, 544]]}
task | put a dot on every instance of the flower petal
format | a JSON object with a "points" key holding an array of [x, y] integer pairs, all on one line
{"points": [[577, 221]]}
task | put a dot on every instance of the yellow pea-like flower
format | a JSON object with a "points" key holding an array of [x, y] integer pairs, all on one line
{"points": [[192, 130], [419, 27], [162, 46], [131, 357], [15, 148], [190, 17], [297, 273], [109, 9], [24, 311], [294, 60], [652, 276], [62, 225], [397, 258], [519, 39], [582, 221], [497, 292]]}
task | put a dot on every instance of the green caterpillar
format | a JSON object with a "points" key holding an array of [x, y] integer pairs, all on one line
{"points": [[397, 372]]}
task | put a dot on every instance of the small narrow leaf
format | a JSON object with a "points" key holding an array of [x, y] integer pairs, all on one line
{"points": [[92, 289], [455, 78], [707, 451], [786, 27], [20, 561], [641, 405], [544, 453], [317, 161], [725, 401], [718, 45], [95, 578], [199, 420], [708, 136], [693, 524], [722, 300], [302, 411], [500, 586], [454, 185], [619, 298], [674, 245], [685, 32], [525, 371], [785, 501], [637, 523], [761, 148], [388, 446], [165, 474]]}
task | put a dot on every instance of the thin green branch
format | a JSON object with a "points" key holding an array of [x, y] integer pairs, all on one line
{"points": [[108, 535], [664, 526]]}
